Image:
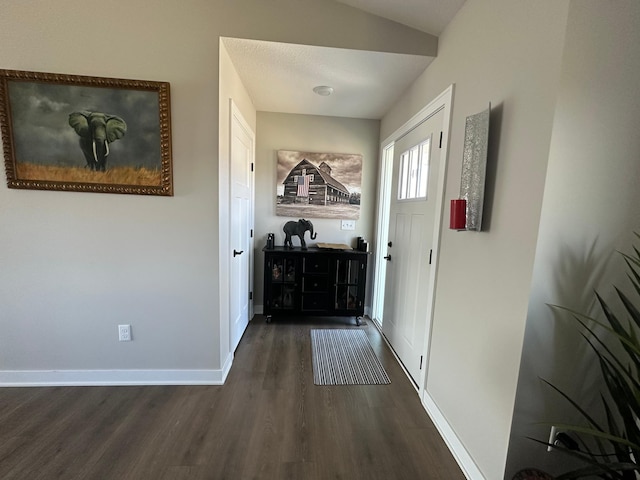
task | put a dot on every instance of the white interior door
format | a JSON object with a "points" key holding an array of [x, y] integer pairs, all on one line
{"points": [[242, 153], [412, 218]]}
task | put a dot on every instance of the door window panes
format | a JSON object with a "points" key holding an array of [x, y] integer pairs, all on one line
{"points": [[414, 172]]}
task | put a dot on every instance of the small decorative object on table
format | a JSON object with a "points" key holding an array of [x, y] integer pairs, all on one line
{"points": [[271, 240], [333, 246], [362, 245], [297, 228]]}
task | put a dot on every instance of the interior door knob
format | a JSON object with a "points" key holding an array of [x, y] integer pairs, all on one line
{"points": [[387, 258], [235, 252]]}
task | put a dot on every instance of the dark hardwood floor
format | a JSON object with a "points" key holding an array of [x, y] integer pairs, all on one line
{"points": [[269, 421]]}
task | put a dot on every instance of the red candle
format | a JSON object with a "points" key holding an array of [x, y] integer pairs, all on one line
{"points": [[458, 219]]}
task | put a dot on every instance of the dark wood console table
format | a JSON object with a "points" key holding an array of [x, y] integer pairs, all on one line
{"points": [[314, 282]]}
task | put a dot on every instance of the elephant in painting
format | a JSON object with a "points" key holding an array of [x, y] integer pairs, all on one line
{"points": [[97, 130], [297, 228]]}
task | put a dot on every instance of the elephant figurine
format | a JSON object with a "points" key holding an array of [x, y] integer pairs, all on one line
{"points": [[97, 130], [297, 228]]}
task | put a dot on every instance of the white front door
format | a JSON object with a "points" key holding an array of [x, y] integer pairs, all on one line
{"points": [[412, 218], [241, 225]]}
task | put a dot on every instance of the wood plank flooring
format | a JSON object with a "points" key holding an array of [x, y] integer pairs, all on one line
{"points": [[269, 421]]}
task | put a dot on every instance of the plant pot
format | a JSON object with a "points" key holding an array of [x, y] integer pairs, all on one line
{"points": [[532, 474]]}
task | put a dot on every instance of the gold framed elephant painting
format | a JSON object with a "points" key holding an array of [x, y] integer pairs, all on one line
{"points": [[86, 134]]}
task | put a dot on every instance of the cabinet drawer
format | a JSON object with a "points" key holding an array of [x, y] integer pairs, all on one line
{"points": [[314, 283], [315, 302], [315, 265]]}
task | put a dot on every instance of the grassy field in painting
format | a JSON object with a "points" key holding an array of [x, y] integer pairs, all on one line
{"points": [[114, 176], [340, 210]]}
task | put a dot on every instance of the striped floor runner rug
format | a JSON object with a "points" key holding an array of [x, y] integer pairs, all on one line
{"points": [[345, 357]]}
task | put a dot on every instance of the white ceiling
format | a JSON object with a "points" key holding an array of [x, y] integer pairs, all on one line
{"points": [[280, 77], [430, 16]]}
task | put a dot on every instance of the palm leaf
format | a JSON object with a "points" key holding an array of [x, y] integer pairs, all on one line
{"points": [[622, 338], [621, 399], [634, 276], [621, 367], [618, 329], [631, 308], [595, 467], [610, 451], [613, 426], [635, 260], [574, 404]]}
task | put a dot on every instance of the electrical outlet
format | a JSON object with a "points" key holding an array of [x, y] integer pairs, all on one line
{"points": [[348, 225], [124, 333], [552, 438]]}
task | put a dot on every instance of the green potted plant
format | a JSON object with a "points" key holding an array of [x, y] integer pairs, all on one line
{"points": [[610, 448]]}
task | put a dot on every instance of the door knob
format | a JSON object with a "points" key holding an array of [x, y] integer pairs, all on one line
{"points": [[387, 258], [235, 252], [390, 244]]}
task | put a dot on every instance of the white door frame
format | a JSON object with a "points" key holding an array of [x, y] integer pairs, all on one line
{"points": [[444, 102], [382, 231], [235, 113]]}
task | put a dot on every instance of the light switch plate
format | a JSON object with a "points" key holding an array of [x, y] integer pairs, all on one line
{"points": [[348, 225]]}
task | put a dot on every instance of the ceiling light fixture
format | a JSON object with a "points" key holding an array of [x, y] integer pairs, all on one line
{"points": [[323, 90]]}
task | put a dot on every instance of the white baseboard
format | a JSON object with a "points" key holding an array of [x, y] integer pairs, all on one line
{"points": [[51, 378], [459, 452]]}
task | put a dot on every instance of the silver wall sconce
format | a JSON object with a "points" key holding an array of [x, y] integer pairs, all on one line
{"points": [[474, 169]]}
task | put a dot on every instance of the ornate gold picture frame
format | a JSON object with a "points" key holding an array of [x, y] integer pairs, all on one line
{"points": [[86, 134]]}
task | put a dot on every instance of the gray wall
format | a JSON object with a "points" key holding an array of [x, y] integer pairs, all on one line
{"points": [[508, 53], [590, 210], [75, 265], [280, 131]]}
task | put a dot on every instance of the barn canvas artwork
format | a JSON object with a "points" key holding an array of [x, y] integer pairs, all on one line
{"points": [[318, 185]]}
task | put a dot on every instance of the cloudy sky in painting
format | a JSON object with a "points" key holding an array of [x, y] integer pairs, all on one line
{"points": [[345, 167], [42, 134]]}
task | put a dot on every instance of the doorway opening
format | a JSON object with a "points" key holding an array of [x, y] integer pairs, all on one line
{"points": [[396, 270]]}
